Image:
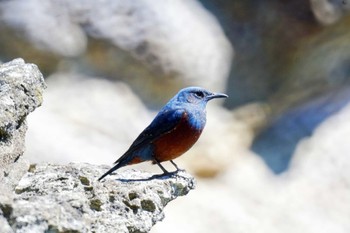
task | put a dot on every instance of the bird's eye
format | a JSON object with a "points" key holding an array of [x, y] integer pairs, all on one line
{"points": [[199, 94]]}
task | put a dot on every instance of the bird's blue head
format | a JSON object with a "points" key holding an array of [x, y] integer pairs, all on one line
{"points": [[197, 96]]}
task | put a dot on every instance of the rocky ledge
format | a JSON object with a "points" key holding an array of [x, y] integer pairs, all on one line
{"points": [[68, 198]]}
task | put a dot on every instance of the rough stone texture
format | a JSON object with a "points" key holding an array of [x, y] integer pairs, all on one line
{"points": [[11, 174], [70, 199], [21, 88]]}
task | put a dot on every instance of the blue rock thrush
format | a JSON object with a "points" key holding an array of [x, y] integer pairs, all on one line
{"points": [[173, 131]]}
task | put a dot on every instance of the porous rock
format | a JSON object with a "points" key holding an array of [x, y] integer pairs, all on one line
{"points": [[68, 198], [21, 89]]}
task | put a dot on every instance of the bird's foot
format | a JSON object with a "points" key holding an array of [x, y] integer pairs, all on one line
{"points": [[180, 170], [165, 175]]}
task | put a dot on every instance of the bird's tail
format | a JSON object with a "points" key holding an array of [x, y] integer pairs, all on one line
{"points": [[115, 167]]}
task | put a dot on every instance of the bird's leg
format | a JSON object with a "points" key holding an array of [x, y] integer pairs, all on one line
{"points": [[161, 167], [177, 168]]}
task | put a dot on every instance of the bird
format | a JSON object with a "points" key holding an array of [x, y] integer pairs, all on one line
{"points": [[174, 130]]}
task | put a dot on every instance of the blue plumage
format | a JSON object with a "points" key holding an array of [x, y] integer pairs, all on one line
{"points": [[173, 131]]}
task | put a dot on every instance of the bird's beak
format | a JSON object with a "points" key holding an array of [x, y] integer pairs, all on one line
{"points": [[216, 95]]}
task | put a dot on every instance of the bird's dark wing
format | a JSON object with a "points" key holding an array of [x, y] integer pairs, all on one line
{"points": [[163, 123]]}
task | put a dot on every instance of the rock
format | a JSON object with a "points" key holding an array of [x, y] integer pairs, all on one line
{"points": [[11, 174], [5, 227], [69, 198], [21, 89]]}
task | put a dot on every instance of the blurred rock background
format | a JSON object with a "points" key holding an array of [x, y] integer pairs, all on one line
{"points": [[273, 157]]}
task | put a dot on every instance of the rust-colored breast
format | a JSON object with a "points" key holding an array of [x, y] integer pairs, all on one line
{"points": [[176, 142]]}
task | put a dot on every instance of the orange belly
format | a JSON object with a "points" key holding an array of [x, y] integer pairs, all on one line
{"points": [[176, 142]]}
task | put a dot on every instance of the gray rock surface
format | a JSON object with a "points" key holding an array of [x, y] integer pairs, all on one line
{"points": [[69, 198], [21, 89]]}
